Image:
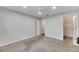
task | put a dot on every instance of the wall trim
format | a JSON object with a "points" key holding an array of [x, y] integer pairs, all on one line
{"points": [[53, 37], [8, 43]]}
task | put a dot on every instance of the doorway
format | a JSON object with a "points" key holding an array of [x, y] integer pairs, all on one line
{"points": [[42, 25], [70, 27]]}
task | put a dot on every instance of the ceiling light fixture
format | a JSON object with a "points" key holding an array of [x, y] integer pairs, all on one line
{"points": [[40, 13], [54, 7]]}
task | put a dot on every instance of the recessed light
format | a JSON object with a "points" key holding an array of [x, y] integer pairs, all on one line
{"points": [[24, 6], [54, 7], [40, 13]]}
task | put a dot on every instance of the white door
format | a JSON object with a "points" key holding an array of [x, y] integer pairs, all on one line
{"points": [[75, 25]]}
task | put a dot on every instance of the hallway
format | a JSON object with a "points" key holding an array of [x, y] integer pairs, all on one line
{"points": [[41, 44]]}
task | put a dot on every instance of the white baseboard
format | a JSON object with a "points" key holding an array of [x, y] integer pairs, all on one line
{"points": [[38, 34], [68, 36], [54, 37], [4, 44]]}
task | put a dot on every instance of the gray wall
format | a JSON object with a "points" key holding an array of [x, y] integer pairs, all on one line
{"points": [[54, 27], [15, 27], [38, 27]]}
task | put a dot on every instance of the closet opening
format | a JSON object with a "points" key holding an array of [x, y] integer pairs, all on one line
{"points": [[70, 27]]}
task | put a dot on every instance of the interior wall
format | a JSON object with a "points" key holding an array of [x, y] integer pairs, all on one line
{"points": [[38, 27], [15, 27], [54, 24], [78, 26], [54, 27]]}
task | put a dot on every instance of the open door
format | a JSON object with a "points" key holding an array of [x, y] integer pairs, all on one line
{"points": [[75, 33]]}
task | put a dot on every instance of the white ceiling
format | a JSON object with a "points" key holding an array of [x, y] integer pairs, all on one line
{"points": [[46, 10]]}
